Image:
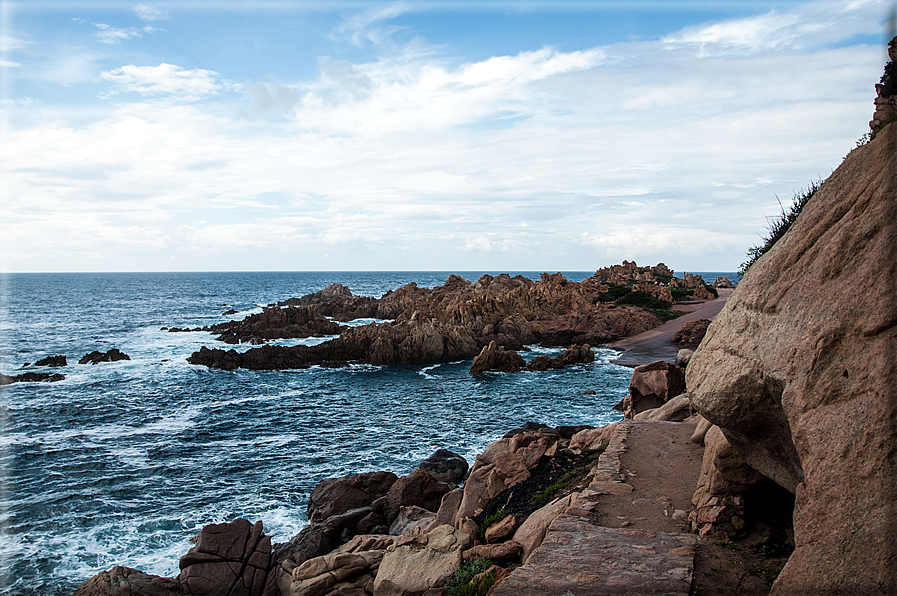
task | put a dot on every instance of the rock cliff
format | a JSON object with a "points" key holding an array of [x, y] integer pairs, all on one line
{"points": [[798, 372]]}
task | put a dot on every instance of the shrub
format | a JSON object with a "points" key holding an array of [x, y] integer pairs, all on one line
{"points": [[493, 519], [779, 225], [889, 80], [459, 583]]}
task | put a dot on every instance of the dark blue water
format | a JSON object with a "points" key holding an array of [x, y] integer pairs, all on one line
{"points": [[121, 463]]}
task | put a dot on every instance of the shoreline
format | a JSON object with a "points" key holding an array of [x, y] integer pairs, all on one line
{"points": [[657, 344]]}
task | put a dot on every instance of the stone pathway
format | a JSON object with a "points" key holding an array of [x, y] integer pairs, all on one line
{"points": [[624, 534]]}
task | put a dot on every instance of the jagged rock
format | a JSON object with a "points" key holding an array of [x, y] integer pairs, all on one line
{"points": [[445, 466], [725, 477], [453, 321], [96, 356], [419, 488], [51, 361], [798, 371], [276, 323], [504, 463], [701, 428], [421, 563], [495, 358], [124, 581], [651, 386], [589, 439], [232, 559], [448, 508], [885, 104], [338, 495], [722, 282], [575, 354], [692, 332], [320, 538], [31, 377]]}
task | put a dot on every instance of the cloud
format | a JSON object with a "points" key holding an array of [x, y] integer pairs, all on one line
{"points": [[112, 35], [8, 43], [166, 79], [807, 25], [9, 64], [145, 12], [366, 26], [541, 159]]}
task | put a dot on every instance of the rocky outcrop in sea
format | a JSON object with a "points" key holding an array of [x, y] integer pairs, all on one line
{"points": [[453, 321]]}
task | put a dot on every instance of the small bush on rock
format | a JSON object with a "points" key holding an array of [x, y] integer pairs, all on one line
{"points": [[460, 580], [779, 225]]}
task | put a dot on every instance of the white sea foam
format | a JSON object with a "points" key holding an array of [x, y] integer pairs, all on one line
{"points": [[424, 371], [362, 322]]}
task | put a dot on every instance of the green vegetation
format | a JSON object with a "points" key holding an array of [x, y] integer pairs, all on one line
{"points": [[889, 80], [493, 519], [779, 225], [549, 490], [459, 583], [625, 295]]}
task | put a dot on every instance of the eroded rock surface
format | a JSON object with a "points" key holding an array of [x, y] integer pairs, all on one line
{"points": [[798, 372]]}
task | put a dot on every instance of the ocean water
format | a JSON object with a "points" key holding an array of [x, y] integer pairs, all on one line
{"points": [[122, 463]]}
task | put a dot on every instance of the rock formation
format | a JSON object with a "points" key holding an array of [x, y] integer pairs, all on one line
{"points": [[31, 377], [651, 386], [276, 323], [452, 321], [692, 333], [95, 357], [886, 98], [798, 372], [52, 361]]}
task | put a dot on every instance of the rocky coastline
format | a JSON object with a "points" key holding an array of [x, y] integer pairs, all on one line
{"points": [[761, 463]]}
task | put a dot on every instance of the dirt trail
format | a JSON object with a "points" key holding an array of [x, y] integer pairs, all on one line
{"points": [[657, 343]]}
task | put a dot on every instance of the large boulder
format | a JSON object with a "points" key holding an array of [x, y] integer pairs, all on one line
{"points": [[651, 386], [124, 581], [691, 333], [445, 466], [419, 488], [338, 495], [495, 358], [503, 464], [231, 559], [798, 372], [418, 564]]}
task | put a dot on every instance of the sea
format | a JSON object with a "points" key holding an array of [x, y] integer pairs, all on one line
{"points": [[122, 463]]}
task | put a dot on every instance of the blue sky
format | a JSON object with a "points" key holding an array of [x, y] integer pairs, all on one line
{"points": [[184, 136]]}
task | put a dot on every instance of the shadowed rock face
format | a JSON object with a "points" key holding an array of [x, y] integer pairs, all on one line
{"points": [[799, 372], [452, 321]]}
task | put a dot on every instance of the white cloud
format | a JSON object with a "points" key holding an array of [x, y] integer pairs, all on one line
{"points": [[8, 43], [9, 64], [806, 25], [538, 160], [112, 35], [366, 25], [166, 79], [145, 12]]}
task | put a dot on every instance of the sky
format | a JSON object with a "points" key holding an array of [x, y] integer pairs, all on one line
{"points": [[432, 135]]}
